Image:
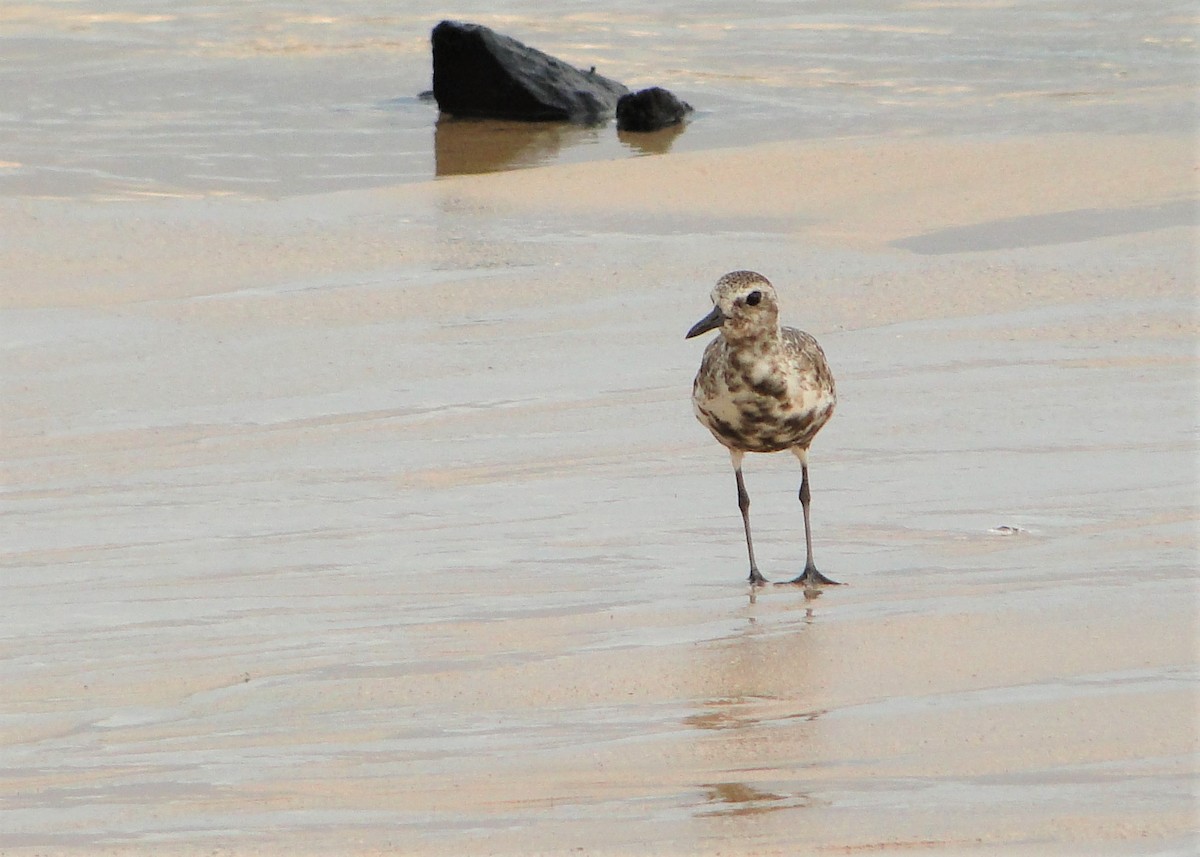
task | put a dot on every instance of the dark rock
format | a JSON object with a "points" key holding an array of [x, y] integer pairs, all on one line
{"points": [[649, 110], [480, 73]]}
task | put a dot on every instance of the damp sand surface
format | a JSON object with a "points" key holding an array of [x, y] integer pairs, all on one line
{"points": [[377, 521]]}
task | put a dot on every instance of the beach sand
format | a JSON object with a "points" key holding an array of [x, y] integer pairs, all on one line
{"points": [[378, 521]]}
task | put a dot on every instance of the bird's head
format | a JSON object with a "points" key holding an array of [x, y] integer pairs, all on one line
{"points": [[744, 305]]}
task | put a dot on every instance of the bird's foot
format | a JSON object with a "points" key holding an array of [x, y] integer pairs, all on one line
{"points": [[756, 578], [811, 577]]}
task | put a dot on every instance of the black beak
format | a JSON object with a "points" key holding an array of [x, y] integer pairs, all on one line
{"points": [[716, 318]]}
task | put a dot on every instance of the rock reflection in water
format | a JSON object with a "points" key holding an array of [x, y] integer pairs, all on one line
{"points": [[652, 142], [465, 146]]}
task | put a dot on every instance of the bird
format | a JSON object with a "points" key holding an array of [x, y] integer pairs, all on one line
{"points": [[763, 388]]}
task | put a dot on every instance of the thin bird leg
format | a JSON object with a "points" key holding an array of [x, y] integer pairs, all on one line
{"points": [[810, 575], [756, 578]]}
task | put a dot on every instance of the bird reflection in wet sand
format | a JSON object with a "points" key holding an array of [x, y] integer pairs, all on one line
{"points": [[762, 388], [741, 799]]}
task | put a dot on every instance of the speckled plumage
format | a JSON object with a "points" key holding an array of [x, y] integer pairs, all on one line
{"points": [[761, 387]]}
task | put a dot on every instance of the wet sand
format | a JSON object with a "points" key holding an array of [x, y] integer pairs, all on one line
{"points": [[377, 521]]}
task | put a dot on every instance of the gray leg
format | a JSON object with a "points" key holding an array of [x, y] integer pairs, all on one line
{"points": [[756, 577], [810, 575]]}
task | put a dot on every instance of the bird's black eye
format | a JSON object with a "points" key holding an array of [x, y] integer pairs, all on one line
{"points": [[753, 298]]}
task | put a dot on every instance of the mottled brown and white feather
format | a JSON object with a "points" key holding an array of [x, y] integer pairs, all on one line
{"points": [[761, 387]]}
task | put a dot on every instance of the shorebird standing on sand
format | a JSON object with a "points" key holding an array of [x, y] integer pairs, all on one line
{"points": [[761, 388]]}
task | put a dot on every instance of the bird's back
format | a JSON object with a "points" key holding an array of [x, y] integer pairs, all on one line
{"points": [[808, 362]]}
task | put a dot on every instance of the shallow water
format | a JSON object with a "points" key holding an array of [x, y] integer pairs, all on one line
{"points": [[1062, 227], [353, 523], [289, 609], [278, 99]]}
